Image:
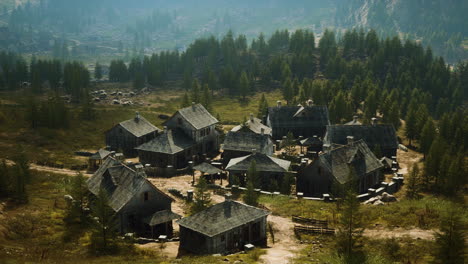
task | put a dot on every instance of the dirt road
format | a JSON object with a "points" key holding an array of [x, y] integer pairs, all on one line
{"points": [[53, 170], [286, 246]]}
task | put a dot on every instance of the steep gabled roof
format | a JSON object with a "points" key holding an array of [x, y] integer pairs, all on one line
{"points": [[383, 135], [207, 168], [161, 217], [222, 217], [357, 155], [171, 141], [254, 125], [299, 116], [100, 154], [244, 141], [312, 141], [120, 182], [139, 126], [197, 116], [264, 163]]}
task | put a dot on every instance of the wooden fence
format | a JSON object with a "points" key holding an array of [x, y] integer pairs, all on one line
{"points": [[310, 221], [313, 230]]}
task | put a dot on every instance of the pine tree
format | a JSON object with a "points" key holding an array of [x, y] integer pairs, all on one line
{"points": [[288, 93], [450, 241], [250, 197], [290, 144], [103, 225], [349, 235], [244, 85], [410, 129], [262, 107], [195, 94], [286, 183], [206, 99], [5, 184], [185, 101], [202, 199], [98, 71], [413, 185], [428, 135], [79, 192], [252, 175]]}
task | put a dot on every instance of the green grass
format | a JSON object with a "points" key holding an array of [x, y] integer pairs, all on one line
{"points": [[287, 207], [59, 145]]}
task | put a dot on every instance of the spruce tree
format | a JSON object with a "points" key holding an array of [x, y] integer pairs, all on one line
{"points": [[450, 240], [413, 186], [244, 85], [202, 197], [195, 94], [349, 236], [410, 128], [262, 107], [252, 175], [206, 99], [428, 135], [185, 101], [103, 225], [250, 197], [98, 71]]}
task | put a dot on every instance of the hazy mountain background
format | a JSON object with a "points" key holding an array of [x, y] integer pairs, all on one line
{"points": [[105, 29]]}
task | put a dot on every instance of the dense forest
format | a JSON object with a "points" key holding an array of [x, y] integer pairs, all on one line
{"points": [[121, 29], [359, 74]]}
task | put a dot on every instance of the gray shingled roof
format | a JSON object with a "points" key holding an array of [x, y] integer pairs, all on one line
{"points": [[299, 116], [198, 116], [244, 141], [312, 141], [254, 125], [264, 163], [100, 154], [207, 168], [139, 126], [222, 217], [358, 155], [161, 217], [119, 181], [383, 135], [171, 141]]}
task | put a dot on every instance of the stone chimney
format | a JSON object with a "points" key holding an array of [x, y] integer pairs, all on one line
{"points": [[374, 121], [254, 151], [350, 140], [278, 104], [262, 131], [193, 106], [228, 197], [137, 116], [251, 117], [355, 118], [310, 102], [165, 129]]}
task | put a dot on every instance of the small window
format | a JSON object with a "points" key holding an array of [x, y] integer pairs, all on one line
{"points": [[145, 196]]}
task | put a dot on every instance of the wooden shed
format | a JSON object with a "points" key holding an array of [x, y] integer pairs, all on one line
{"points": [[223, 228]]}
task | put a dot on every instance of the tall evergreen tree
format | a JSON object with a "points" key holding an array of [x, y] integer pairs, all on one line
{"points": [[450, 241], [202, 198], [98, 71], [244, 85], [195, 94]]}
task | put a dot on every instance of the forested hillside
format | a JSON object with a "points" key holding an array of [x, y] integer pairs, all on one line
{"points": [[439, 24], [121, 29]]}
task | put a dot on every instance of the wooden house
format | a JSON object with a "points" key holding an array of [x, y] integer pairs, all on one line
{"points": [[129, 134], [378, 137], [223, 228], [188, 135], [97, 159], [334, 167], [268, 169], [253, 125], [305, 121], [240, 144], [140, 207]]}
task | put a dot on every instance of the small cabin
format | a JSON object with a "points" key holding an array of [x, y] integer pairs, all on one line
{"points": [[223, 228], [129, 134]]}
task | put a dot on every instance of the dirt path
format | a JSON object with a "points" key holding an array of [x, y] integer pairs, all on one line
{"points": [[407, 159], [286, 246], [414, 233], [68, 172]]}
